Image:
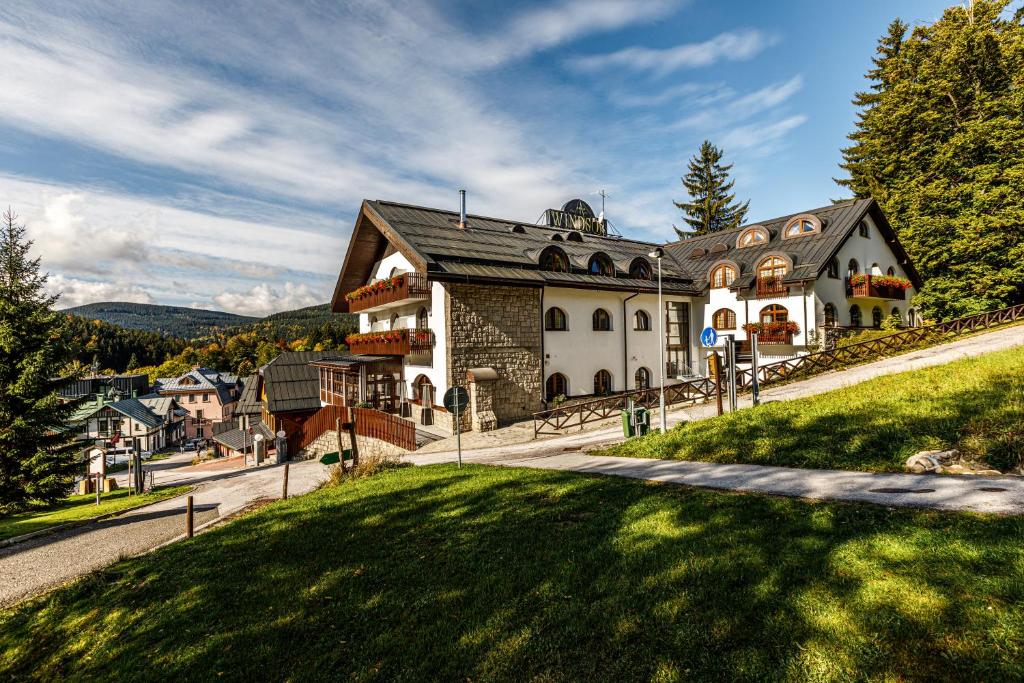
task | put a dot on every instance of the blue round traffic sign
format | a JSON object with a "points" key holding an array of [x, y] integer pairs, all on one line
{"points": [[708, 337]]}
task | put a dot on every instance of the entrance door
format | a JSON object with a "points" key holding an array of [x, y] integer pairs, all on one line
{"points": [[677, 338]]}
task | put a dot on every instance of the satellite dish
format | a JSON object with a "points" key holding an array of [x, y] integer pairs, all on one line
{"points": [[578, 207]]}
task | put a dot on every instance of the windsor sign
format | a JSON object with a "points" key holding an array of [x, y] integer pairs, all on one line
{"points": [[557, 218]]}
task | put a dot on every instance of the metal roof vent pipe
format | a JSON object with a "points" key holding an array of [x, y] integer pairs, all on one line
{"points": [[462, 208]]}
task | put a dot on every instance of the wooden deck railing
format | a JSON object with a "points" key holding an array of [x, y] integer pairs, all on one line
{"points": [[369, 422], [399, 342], [869, 289], [771, 287], [702, 389], [412, 286]]}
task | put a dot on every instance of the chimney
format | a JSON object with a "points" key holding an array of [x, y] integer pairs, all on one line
{"points": [[462, 208]]}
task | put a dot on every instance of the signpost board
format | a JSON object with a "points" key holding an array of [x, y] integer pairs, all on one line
{"points": [[455, 401], [708, 337]]}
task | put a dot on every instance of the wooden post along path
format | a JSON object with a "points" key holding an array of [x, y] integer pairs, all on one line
{"points": [[188, 518], [284, 488]]}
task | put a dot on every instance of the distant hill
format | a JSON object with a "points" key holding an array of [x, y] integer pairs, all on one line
{"points": [[176, 321]]}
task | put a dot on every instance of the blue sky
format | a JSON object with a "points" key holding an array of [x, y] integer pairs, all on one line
{"points": [[215, 154]]}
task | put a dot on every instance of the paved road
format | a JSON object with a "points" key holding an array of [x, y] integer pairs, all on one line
{"points": [[951, 492], [39, 564]]}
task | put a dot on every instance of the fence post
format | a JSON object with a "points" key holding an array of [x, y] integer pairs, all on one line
{"points": [[284, 487], [718, 380], [188, 518]]}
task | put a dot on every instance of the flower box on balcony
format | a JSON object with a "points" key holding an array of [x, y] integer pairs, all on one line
{"points": [[771, 286], [877, 286], [777, 332], [390, 342], [386, 293]]}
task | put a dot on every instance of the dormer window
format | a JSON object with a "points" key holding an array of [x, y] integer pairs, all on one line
{"points": [[640, 269], [554, 260], [800, 226], [722, 276], [600, 264], [752, 237], [574, 237]]}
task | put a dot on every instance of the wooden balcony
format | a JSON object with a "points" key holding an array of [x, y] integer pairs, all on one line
{"points": [[768, 288], [391, 343], [869, 290], [775, 338], [394, 292]]}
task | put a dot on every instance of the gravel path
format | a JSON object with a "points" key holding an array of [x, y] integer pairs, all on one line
{"points": [[42, 563]]}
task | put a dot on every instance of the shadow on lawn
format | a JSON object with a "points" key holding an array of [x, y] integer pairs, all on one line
{"points": [[877, 436], [487, 573]]}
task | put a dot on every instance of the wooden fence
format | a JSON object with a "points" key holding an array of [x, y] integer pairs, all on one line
{"points": [[371, 423], [699, 390]]}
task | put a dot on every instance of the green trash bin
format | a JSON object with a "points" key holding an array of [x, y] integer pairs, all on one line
{"points": [[627, 424], [643, 421]]}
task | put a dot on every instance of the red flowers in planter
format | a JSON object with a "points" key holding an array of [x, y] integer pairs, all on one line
{"points": [[377, 287], [888, 281], [377, 337], [775, 327]]}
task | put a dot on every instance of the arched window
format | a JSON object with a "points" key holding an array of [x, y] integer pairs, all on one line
{"points": [[863, 229], [642, 378], [602, 383], [876, 269], [602, 321], [855, 319], [833, 268], [876, 317], [912, 317], [600, 264], [557, 385], [774, 314], [724, 319], [891, 272], [553, 259], [393, 322], [798, 226], [555, 320], [373, 322], [421, 318], [771, 267], [831, 315], [422, 389], [752, 237], [897, 315], [722, 276], [852, 268], [640, 269], [641, 321]]}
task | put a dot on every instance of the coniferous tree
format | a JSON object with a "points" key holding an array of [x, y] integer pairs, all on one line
{"points": [[938, 145], [712, 206], [38, 460]]}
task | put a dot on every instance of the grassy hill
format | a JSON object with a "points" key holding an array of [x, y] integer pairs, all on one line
{"points": [[493, 574], [176, 321]]}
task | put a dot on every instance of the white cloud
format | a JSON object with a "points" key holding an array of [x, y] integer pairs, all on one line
{"points": [[762, 138], [743, 107], [75, 292], [263, 299], [730, 46]]}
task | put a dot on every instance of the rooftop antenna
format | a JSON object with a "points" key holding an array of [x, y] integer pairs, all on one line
{"points": [[604, 195]]}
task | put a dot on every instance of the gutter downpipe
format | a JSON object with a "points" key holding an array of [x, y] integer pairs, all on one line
{"points": [[803, 297], [625, 342]]}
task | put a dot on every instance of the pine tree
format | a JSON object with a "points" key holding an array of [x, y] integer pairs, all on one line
{"points": [[38, 460], [133, 363], [938, 145], [712, 206]]}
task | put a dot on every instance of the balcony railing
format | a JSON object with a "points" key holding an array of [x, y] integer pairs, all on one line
{"points": [[384, 294], [769, 287], [391, 342], [867, 288], [775, 338]]}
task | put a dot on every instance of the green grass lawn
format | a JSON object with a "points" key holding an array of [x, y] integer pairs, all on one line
{"points": [[77, 508], [976, 405], [484, 573]]}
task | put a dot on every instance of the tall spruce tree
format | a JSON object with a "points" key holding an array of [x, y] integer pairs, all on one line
{"points": [[37, 458], [712, 206], [938, 145]]}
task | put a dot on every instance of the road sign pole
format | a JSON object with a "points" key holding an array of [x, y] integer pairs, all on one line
{"points": [[755, 387], [458, 429]]}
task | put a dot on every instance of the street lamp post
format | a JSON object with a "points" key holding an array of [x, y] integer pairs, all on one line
{"points": [[657, 254]]}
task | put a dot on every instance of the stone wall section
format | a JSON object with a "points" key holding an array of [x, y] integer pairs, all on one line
{"points": [[497, 327]]}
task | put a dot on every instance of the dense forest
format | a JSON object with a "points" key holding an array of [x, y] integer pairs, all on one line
{"points": [[238, 349], [175, 321]]}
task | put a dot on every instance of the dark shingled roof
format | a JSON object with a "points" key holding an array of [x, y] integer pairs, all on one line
{"points": [[291, 383], [809, 254], [249, 403], [238, 439]]}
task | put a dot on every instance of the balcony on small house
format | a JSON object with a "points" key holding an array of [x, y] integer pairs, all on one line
{"points": [[876, 287], [388, 293], [768, 287], [391, 342]]}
